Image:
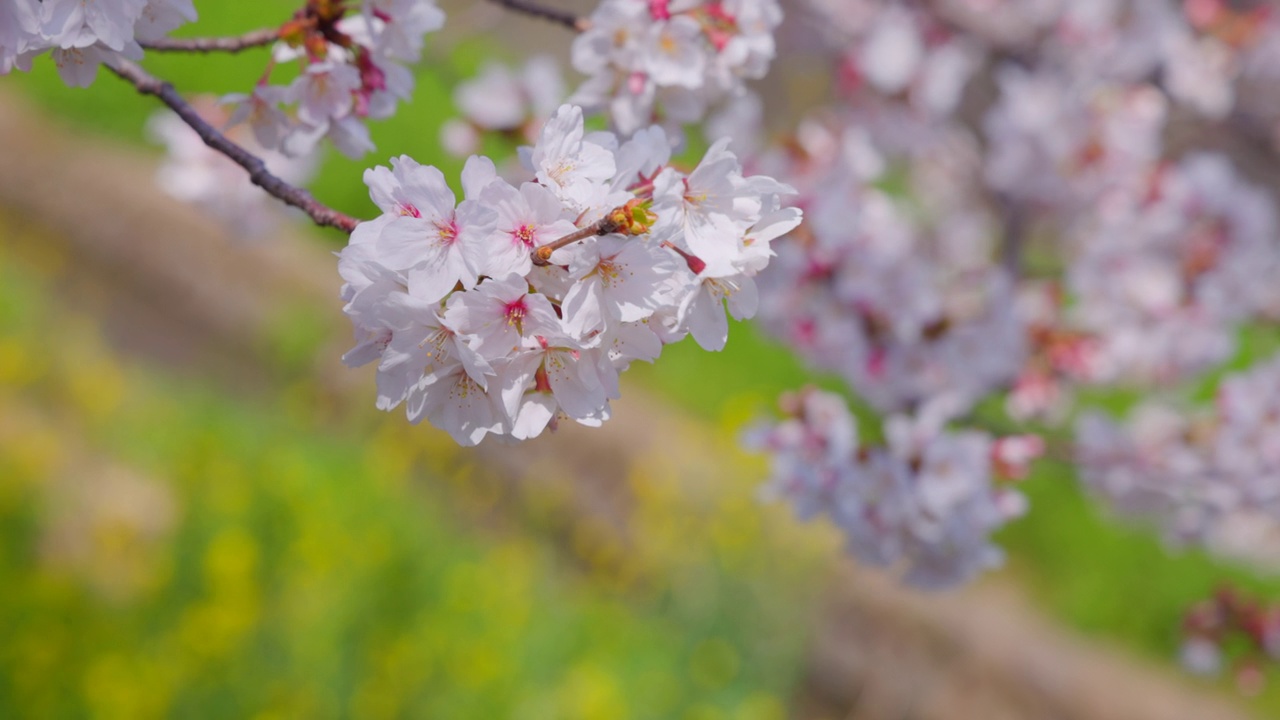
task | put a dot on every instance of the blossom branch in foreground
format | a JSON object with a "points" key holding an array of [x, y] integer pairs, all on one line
{"points": [[555, 15], [258, 174], [470, 335], [235, 44]]}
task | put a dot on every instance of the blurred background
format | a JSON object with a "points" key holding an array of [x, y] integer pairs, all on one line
{"points": [[202, 514]]}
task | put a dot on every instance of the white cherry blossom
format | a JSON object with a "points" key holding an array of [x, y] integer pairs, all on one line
{"points": [[500, 315], [616, 280], [567, 163], [437, 243], [527, 218], [671, 59], [517, 308]]}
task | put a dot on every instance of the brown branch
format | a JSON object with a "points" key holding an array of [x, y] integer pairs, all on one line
{"points": [[1015, 234], [254, 39], [555, 15], [542, 255], [146, 84]]}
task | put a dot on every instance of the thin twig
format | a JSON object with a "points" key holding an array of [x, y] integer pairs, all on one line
{"points": [[257, 38], [146, 84], [555, 15], [1015, 234], [541, 255]]}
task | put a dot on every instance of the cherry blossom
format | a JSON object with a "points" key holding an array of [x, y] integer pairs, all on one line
{"points": [[1234, 625], [672, 61], [353, 62], [924, 504], [1196, 473], [80, 35], [500, 100], [518, 307], [908, 277], [436, 241]]}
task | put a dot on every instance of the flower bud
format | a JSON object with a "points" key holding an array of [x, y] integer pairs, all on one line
{"points": [[634, 218]]}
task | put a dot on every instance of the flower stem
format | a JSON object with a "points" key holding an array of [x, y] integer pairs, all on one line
{"points": [[604, 226], [256, 38]]}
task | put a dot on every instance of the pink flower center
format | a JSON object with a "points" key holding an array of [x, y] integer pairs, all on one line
{"points": [[515, 312], [525, 235], [448, 231], [720, 25], [659, 9], [407, 209]]}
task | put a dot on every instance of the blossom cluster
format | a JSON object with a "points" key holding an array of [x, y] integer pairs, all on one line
{"points": [[352, 58], [898, 51], [671, 60], [1231, 625], [1203, 51], [1165, 259], [909, 279], [925, 502], [906, 303], [1164, 277], [81, 35], [520, 305], [352, 67], [1205, 476]]}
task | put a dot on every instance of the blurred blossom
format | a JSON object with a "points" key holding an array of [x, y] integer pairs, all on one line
{"points": [[927, 194], [1231, 630], [195, 173], [924, 504], [1192, 472], [1200, 656], [511, 103], [671, 61]]}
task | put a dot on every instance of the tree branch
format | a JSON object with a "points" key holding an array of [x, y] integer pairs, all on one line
{"points": [[541, 256], [555, 15], [1015, 234], [146, 84], [256, 38]]}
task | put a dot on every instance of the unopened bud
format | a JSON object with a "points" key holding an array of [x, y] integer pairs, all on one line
{"points": [[317, 46], [294, 32], [695, 263], [633, 218]]}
